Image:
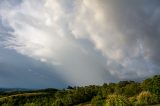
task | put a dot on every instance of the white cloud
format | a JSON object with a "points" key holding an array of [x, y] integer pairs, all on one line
{"points": [[51, 31]]}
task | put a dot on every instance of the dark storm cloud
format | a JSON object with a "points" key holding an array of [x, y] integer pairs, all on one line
{"points": [[137, 21]]}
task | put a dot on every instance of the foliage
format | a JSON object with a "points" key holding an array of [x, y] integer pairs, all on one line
{"points": [[147, 98], [117, 100], [98, 101], [132, 100], [152, 85], [124, 93]]}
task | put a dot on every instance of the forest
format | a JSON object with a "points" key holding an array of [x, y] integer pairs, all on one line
{"points": [[123, 93]]}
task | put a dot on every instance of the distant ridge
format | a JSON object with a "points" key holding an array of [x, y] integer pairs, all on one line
{"points": [[14, 89]]}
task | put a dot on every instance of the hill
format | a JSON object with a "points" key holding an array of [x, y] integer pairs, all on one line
{"points": [[123, 93]]}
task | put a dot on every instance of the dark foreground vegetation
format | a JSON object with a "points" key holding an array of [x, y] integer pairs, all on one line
{"points": [[124, 93]]}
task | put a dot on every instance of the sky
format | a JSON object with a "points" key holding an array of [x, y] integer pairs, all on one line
{"points": [[56, 43]]}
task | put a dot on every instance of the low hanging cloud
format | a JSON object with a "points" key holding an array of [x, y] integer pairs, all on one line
{"points": [[88, 41]]}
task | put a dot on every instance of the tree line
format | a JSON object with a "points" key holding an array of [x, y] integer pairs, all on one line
{"points": [[123, 93]]}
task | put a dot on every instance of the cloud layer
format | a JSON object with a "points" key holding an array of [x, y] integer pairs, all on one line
{"points": [[87, 41]]}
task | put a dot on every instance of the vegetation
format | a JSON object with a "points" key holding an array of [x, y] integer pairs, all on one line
{"points": [[124, 93], [117, 100]]}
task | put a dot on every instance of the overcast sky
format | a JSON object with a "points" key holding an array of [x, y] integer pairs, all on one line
{"points": [[55, 43]]}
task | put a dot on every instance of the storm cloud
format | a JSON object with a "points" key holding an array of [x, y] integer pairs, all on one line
{"points": [[85, 41]]}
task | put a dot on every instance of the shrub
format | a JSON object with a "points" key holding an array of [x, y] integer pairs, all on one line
{"points": [[147, 98], [117, 100], [97, 101], [58, 102], [132, 100], [137, 103]]}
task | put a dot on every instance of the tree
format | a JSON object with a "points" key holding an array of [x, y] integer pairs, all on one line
{"points": [[152, 85]]}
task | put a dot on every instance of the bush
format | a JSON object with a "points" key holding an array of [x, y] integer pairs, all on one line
{"points": [[132, 100], [147, 98], [117, 100], [97, 101], [152, 85], [137, 103], [58, 102], [155, 99]]}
